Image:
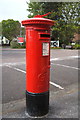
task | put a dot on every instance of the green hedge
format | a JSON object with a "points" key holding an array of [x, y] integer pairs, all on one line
{"points": [[15, 44], [76, 46]]}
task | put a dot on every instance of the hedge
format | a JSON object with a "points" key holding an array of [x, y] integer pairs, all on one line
{"points": [[15, 44]]}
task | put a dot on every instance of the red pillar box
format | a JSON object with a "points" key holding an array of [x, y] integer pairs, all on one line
{"points": [[38, 64]]}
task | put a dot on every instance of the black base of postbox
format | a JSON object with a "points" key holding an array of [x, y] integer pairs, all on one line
{"points": [[37, 104]]}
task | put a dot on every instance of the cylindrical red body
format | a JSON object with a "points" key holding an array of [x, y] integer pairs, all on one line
{"points": [[37, 55], [38, 66]]}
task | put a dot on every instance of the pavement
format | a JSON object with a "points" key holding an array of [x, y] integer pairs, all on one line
{"points": [[63, 84]]}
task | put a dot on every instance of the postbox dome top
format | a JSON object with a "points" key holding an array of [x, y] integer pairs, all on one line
{"points": [[38, 19]]}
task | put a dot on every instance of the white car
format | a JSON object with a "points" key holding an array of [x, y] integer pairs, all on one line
{"points": [[4, 40]]}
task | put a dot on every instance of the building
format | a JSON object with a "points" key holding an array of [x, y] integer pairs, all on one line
{"points": [[76, 38]]}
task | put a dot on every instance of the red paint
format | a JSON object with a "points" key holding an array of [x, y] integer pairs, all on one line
{"points": [[40, 16], [38, 66]]}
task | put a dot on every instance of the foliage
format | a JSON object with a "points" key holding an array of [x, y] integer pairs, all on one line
{"points": [[76, 46], [0, 28], [65, 14], [10, 28], [22, 32], [64, 32], [35, 8], [15, 44], [41, 8]]}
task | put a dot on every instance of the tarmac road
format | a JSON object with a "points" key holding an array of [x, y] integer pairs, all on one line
{"points": [[63, 77]]}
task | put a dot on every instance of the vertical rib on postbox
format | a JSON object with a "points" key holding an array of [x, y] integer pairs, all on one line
{"points": [[37, 64]]}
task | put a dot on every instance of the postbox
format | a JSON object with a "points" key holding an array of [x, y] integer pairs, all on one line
{"points": [[37, 64]]}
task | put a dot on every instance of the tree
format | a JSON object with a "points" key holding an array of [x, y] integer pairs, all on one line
{"points": [[35, 8], [23, 31], [65, 14], [10, 29], [41, 8], [0, 28], [69, 23]]}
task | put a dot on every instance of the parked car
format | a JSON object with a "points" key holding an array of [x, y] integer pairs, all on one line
{"points": [[4, 41]]}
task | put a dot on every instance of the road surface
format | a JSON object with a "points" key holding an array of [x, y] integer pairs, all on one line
{"points": [[63, 79]]}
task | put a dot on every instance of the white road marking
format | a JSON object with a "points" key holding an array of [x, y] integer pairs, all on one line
{"points": [[12, 64], [66, 66], [52, 59], [64, 58], [16, 69], [54, 84]]}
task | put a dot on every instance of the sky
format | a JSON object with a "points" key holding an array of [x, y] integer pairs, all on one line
{"points": [[13, 9]]}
